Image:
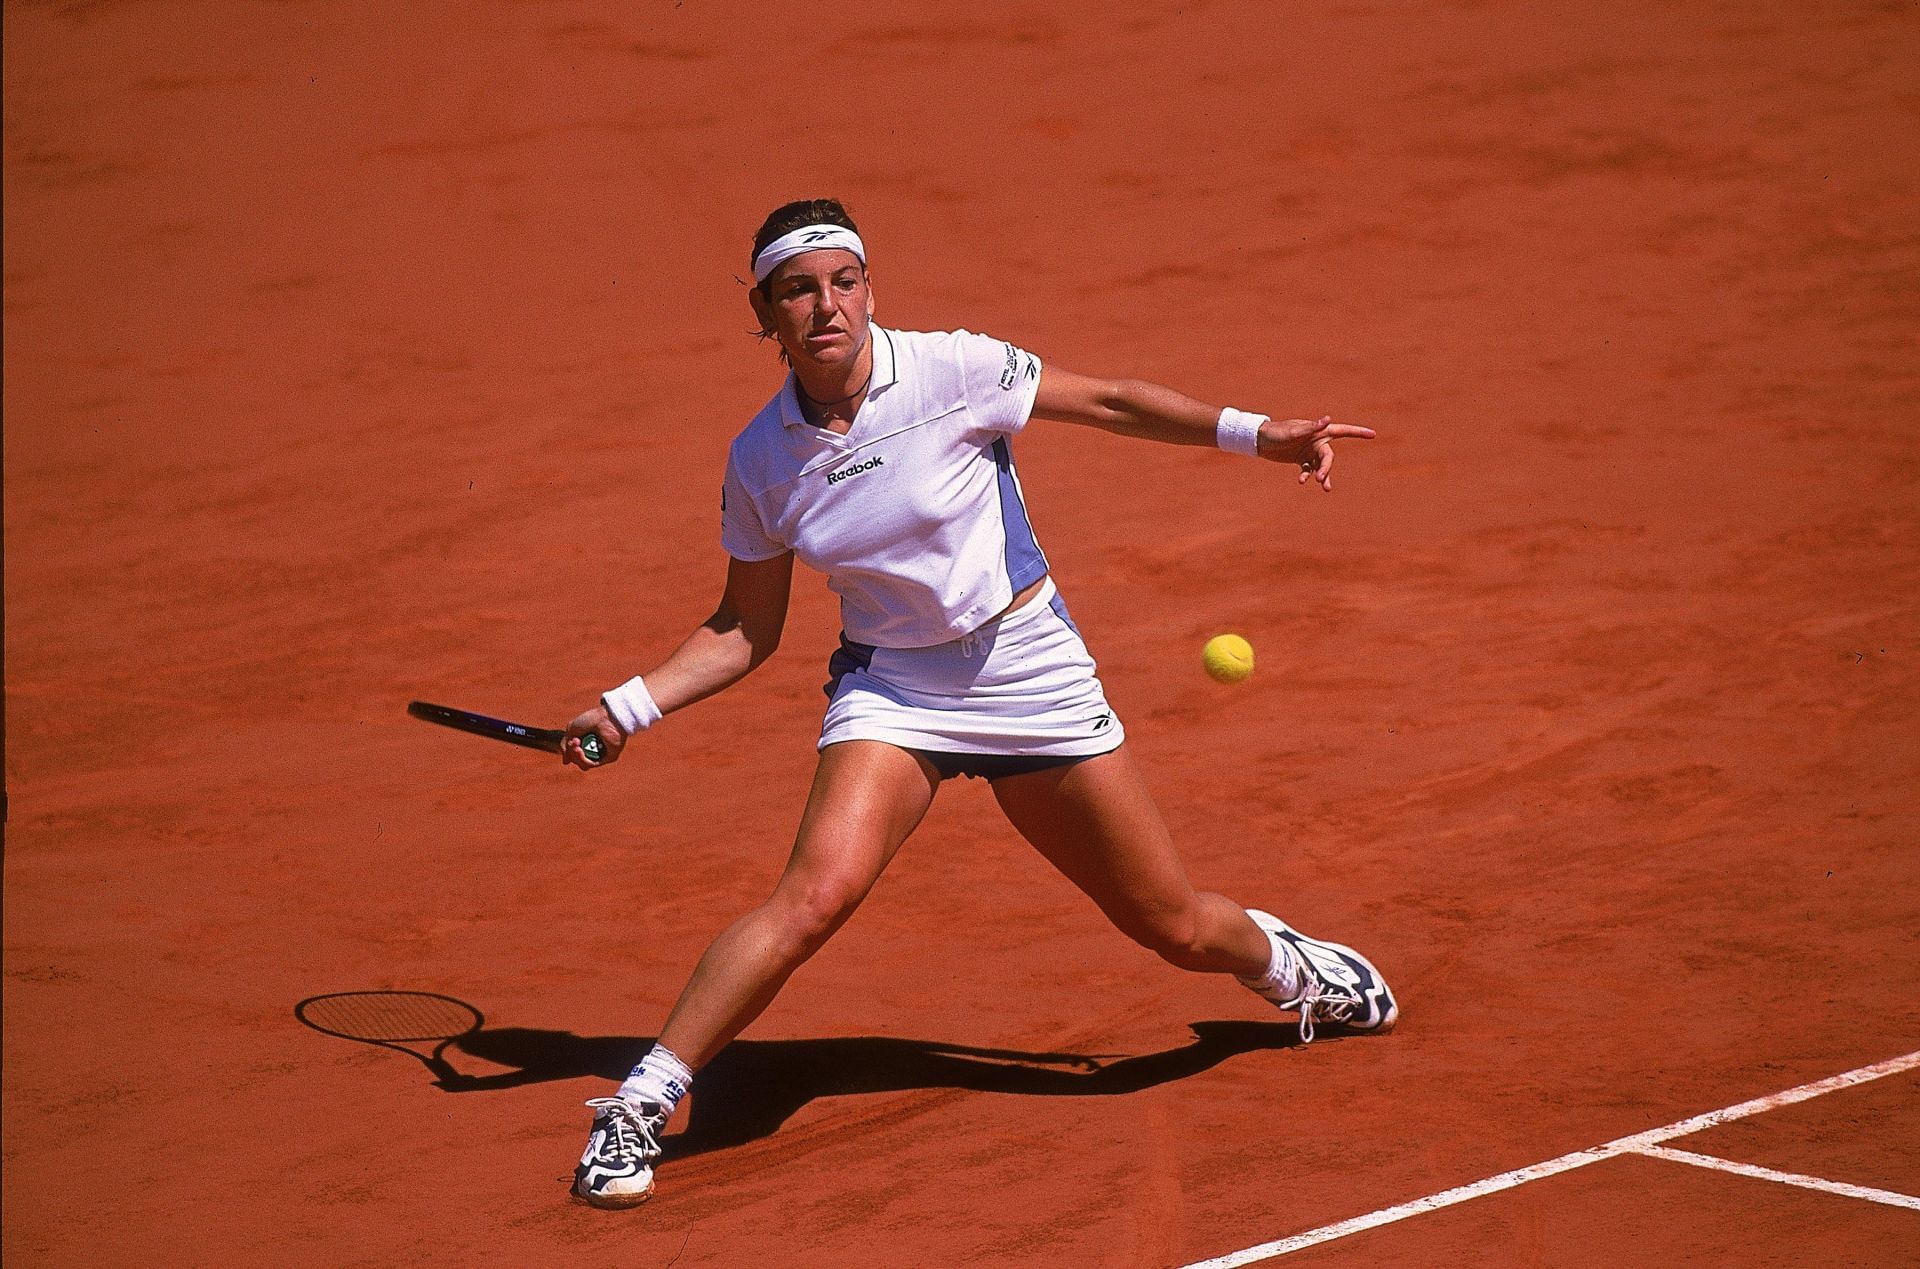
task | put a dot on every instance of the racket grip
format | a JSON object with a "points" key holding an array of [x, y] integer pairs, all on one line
{"points": [[591, 746]]}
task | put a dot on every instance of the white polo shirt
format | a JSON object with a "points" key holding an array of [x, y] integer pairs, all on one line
{"points": [[915, 515]]}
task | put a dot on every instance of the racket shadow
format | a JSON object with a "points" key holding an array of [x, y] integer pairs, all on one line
{"points": [[420, 1024], [756, 1086]]}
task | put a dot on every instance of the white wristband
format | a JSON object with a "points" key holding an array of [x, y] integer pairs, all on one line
{"points": [[1239, 432], [631, 705]]}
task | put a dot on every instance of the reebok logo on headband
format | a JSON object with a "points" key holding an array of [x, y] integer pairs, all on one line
{"points": [[834, 478], [802, 240]]}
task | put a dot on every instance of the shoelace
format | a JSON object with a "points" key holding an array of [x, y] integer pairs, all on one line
{"points": [[1315, 1004], [629, 1134], [1319, 1001]]}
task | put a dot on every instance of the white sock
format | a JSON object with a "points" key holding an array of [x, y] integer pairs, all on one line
{"points": [[661, 1079], [1283, 976]]}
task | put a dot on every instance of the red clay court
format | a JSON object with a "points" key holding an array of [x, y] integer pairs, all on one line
{"points": [[362, 352]]}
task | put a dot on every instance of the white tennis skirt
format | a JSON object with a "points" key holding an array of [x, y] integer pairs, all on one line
{"points": [[1023, 684]]}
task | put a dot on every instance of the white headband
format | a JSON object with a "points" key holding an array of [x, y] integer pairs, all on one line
{"points": [[802, 240]]}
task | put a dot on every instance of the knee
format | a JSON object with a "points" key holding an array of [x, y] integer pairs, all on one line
{"points": [[807, 915], [1171, 934]]}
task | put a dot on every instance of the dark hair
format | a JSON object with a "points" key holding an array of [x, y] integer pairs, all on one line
{"points": [[808, 211]]}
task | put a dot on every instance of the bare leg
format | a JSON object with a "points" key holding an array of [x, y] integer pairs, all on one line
{"points": [[867, 798], [1096, 822]]}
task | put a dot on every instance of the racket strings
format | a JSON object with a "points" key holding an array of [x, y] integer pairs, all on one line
{"points": [[389, 1016]]}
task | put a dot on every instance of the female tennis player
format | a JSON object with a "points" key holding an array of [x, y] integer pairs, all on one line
{"points": [[884, 461]]}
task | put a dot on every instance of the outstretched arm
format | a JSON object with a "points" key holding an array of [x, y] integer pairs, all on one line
{"points": [[743, 631], [1132, 407]]}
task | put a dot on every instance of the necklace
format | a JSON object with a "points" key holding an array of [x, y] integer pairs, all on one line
{"points": [[837, 400]]}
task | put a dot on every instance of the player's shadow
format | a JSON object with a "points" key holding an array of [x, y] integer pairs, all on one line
{"points": [[755, 1086]]}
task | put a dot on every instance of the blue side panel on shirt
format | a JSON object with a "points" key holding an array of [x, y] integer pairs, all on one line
{"points": [[1059, 606], [846, 658], [1025, 564]]}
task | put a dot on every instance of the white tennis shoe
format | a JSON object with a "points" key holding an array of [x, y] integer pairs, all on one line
{"points": [[1338, 985], [617, 1168]]}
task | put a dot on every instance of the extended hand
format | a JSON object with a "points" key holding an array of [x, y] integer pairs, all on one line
{"points": [[1309, 444], [595, 722]]}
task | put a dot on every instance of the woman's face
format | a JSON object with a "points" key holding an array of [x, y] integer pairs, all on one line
{"points": [[818, 305]]}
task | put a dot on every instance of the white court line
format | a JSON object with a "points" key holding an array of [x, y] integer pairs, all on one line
{"points": [[1888, 1197], [1565, 1163]]}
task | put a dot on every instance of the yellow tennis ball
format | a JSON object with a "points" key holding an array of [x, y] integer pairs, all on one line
{"points": [[1228, 658]]}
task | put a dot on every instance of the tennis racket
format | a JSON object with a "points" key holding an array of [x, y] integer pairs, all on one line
{"points": [[394, 1020], [543, 738]]}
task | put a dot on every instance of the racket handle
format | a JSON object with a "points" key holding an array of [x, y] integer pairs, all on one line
{"points": [[591, 746]]}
